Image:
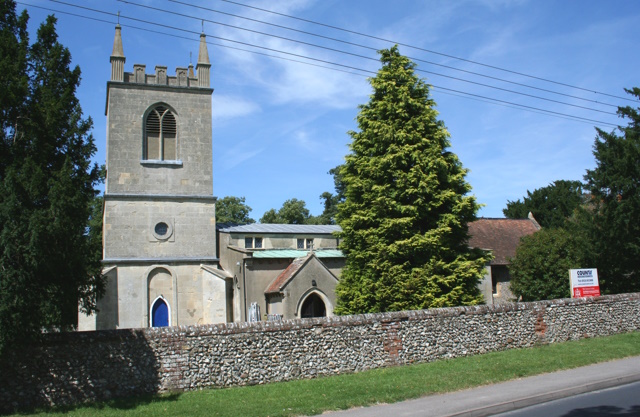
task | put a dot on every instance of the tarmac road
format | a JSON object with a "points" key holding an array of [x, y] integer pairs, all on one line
{"points": [[622, 401], [491, 400]]}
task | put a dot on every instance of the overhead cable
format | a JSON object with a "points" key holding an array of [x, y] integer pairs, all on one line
{"points": [[425, 50], [525, 107], [199, 18], [375, 49]]}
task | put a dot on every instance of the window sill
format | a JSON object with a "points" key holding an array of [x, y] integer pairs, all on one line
{"points": [[158, 162]]}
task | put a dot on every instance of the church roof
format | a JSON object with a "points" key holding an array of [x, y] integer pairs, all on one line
{"points": [[282, 228], [501, 236], [285, 276]]}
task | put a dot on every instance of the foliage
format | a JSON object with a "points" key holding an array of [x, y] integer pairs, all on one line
{"points": [[233, 210], [48, 256], [550, 205], [328, 215], [331, 201], [612, 217], [540, 268], [293, 211], [405, 215]]}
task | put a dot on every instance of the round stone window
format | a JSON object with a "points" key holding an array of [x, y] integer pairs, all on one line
{"points": [[162, 230]]}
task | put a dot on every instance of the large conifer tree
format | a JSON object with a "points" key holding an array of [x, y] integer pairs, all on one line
{"points": [[613, 216], [404, 219], [48, 258]]}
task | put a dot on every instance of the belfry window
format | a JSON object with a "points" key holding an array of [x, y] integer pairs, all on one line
{"points": [[160, 135]]}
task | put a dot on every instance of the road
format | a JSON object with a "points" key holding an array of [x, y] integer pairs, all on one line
{"points": [[622, 401]]}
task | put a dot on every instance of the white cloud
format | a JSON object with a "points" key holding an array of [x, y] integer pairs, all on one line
{"points": [[237, 154], [228, 107], [303, 140]]}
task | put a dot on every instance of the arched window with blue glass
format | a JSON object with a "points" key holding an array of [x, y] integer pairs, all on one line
{"points": [[160, 313]]}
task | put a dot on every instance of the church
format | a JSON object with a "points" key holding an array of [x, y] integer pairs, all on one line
{"points": [[166, 260], [162, 258]]}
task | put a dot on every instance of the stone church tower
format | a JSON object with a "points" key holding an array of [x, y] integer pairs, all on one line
{"points": [[159, 237]]}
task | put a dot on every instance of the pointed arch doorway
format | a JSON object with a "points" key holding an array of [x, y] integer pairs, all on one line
{"points": [[313, 306], [159, 313]]}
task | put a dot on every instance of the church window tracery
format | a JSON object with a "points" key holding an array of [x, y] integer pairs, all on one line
{"points": [[160, 134]]}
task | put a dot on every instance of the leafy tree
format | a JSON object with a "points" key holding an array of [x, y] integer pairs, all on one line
{"points": [[331, 201], [613, 224], [406, 209], [550, 205], [540, 268], [293, 211], [233, 210], [271, 216], [48, 263]]}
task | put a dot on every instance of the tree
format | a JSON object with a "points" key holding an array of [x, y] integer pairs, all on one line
{"points": [[550, 205], [406, 209], [233, 210], [614, 210], [540, 268], [48, 259], [293, 211], [331, 201]]}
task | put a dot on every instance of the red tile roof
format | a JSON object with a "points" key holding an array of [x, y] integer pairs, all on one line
{"points": [[281, 280], [502, 236]]}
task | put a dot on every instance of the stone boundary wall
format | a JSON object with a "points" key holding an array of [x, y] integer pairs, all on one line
{"points": [[89, 366]]}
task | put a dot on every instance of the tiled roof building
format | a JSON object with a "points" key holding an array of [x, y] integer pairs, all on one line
{"points": [[501, 237]]}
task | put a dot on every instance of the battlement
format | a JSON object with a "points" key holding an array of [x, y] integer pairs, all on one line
{"points": [[184, 77]]}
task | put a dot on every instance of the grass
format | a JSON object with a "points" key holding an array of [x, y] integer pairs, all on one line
{"points": [[309, 397]]}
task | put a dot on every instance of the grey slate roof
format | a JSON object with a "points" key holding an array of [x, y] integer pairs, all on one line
{"points": [[282, 228]]}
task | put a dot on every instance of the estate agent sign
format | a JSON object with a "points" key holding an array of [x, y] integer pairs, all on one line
{"points": [[584, 283]]}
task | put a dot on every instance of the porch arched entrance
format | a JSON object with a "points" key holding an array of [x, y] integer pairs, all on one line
{"points": [[313, 306]]}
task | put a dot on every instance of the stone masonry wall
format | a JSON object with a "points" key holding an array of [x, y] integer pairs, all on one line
{"points": [[90, 366]]}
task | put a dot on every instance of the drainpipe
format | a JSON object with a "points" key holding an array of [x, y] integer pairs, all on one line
{"points": [[244, 286]]}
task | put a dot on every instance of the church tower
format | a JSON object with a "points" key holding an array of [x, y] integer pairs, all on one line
{"points": [[159, 237]]}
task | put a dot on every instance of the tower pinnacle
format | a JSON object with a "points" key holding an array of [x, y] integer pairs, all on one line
{"points": [[203, 66], [117, 57]]}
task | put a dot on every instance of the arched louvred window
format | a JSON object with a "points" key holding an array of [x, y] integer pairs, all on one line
{"points": [[160, 134]]}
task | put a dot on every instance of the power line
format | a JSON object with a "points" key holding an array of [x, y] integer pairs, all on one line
{"points": [[359, 56], [192, 39], [427, 50], [375, 49], [525, 107]]}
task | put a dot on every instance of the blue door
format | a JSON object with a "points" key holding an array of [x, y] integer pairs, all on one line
{"points": [[160, 314]]}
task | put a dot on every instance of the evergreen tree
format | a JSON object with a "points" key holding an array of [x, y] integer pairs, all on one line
{"points": [[48, 257], [551, 205], [233, 210], [406, 209], [613, 213]]}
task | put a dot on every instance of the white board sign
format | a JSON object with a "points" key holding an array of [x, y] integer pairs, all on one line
{"points": [[584, 282]]}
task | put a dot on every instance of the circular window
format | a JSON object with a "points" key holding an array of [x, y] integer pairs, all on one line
{"points": [[162, 230]]}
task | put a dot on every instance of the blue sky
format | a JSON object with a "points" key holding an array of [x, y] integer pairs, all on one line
{"points": [[279, 125]]}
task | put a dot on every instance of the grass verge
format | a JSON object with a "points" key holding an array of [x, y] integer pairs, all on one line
{"points": [[309, 397]]}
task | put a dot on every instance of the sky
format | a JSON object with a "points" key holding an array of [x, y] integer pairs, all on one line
{"points": [[282, 110]]}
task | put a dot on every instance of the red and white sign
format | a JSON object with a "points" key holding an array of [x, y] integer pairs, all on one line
{"points": [[584, 283]]}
